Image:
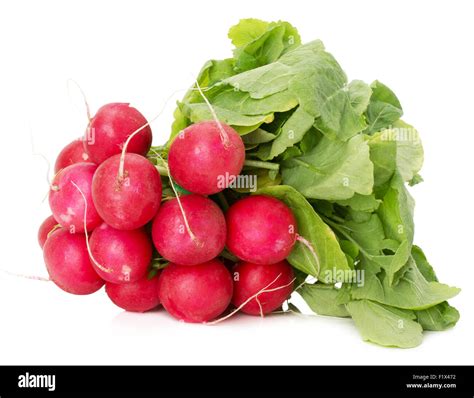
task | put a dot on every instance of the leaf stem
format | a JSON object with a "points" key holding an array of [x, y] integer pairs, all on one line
{"points": [[261, 165]]}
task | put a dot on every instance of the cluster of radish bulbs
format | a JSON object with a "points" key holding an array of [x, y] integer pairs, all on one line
{"points": [[109, 219]]}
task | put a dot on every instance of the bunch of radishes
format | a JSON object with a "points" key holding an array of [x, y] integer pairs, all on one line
{"points": [[110, 219]]}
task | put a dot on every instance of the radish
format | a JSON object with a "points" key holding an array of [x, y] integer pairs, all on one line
{"points": [[139, 296], [67, 203], [71, 154], [206, 157], [196, 293], [205, 238], [260, 229], [274, 280], [68, 264], [130, 198], [124, 254], [109, 129], [46, 227]]}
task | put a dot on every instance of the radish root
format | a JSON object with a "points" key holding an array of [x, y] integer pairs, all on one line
{"points": [[255, 296], [305, 242], [186, 223], [224, 136], [88, 110], [31, 277], [100, 266]]}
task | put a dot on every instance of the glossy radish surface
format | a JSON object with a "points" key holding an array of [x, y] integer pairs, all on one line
{"points": [[66, 201], [206, 221], [202, 161], [131, 201], [197, 293], [260, 229], [139, 296], [68, 264], [125, 254], [45, 228], [109, 129], [72, 153], [250, 278]]}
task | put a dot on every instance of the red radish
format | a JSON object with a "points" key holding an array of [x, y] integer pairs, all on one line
{"points": [[205, 220], [250, 278], [139, 296], [109, 129], [71, 154], [66, 201], [204, 159], [260, 229], [129, 201], [124, 254], [68, 264], [48, 225], [196, 293]]}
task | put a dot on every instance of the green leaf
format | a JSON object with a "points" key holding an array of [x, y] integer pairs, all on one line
{"points": [[241, 102], [384, 325], [246, 31], [198, 112], [398, 149], [341, 107], [316, 232], [322, 299], [384, 108], [412, 291], [291, 132], [440, 317], [258, 136], [260, 43], [366, 203], [332, 170]]}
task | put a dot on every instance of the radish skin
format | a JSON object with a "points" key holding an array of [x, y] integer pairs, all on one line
{"points": [[126, 255], [109, 129], [201, 162], [139, 296], [67, 203], [68, 264], [45, 228], [197, 293], [132, 201], [71, 154], [250, 278], [260, 229], [206, 221]]}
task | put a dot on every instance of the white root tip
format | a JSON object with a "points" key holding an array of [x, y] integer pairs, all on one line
{"points": [[266, 289], [83, 95], [100, 266], [23, 276]]}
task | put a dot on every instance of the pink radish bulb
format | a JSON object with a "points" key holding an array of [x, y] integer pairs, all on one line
{"points": [[130, 201], [48, 225], [139, 296], [260, 229], [250, 278], [206, 222], [68, 264], [66, 201], [202, 160], [109, 129], [125, 254], [71, 154], [197, 293]]}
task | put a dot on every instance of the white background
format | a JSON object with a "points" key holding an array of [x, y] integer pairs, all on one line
{"points": [[141, 52]]}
